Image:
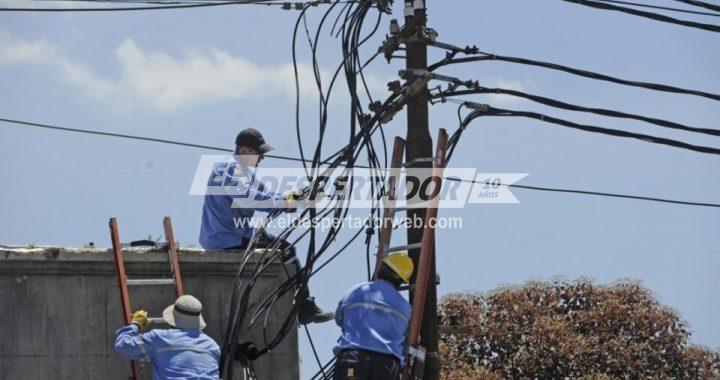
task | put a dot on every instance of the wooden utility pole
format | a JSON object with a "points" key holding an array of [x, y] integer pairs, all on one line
{"points": [[419, 146]]}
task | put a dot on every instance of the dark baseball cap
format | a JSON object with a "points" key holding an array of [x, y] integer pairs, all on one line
{"points": [[252, 138]]}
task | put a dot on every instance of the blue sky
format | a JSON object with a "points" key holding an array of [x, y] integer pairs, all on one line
{"points": [[202, 75]]}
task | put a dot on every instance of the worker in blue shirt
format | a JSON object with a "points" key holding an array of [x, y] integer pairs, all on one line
{"points": [[234, 194], [232, 197], [184, 352], [374, 318]]}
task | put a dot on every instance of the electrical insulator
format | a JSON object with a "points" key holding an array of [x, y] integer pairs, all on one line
{"points": [[408, 11], [394, 26], [287, 6], [431, 34], [395, 86], [419, 4]]}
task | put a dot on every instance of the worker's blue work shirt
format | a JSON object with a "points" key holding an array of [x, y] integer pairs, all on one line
{"points": [[174, 353], [233, 195], [373, 316]]}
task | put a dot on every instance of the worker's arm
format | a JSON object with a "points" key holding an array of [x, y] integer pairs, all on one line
{"points": [[133, 345], [248, 192]]}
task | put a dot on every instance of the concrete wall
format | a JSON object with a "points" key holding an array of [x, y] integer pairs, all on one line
{"points": [[59, 309]]}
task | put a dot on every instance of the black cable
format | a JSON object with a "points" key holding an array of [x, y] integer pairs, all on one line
{"points": [[572, 107], [660, 7], [586, 192], [492, 111], [297, 159], [701, 4], [297, 89], [351, 31], [650, 15], [329, 366], [317, 357], [144, 8], [133, 137], [583, 73]]}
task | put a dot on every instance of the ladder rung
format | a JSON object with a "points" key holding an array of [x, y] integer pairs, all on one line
{"points": [[403, 288], [403, 247], [152, 281], [412, 206], [418, 161]]}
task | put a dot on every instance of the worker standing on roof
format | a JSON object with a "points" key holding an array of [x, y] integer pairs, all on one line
{"points": [[374, 318], [184, 352], [227, 212]]}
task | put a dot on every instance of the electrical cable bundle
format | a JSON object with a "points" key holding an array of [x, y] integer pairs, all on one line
{"points": [[473, 87], [149, 5], [348, 27], [599, 4], [492, 111]]}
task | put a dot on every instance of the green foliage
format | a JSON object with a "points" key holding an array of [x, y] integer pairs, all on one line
{"points": [[576, 330]]}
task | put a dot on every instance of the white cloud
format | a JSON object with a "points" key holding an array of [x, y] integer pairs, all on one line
{"points": [[168, 82], [15, 50], [197, 76]]}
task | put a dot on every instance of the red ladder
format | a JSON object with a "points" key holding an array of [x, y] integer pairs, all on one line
{"points": [[416, 353], [124, 281]]}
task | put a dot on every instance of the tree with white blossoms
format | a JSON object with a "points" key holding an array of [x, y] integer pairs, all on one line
{"points": [[576, 330]]}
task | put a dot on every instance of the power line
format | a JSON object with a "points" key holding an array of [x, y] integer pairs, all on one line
{"points": [[701, 4], [572, 107], [483, 56], [132, 137], [528, 187], [597, 193], [492, 111], [650, 15], [178, 5], [661, 7]]}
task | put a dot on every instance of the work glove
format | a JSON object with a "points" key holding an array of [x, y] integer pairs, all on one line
{"points": [[292, 198], [140, 318]]}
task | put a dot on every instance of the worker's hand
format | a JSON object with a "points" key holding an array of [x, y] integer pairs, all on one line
{"points": [[140, 318], [292, 198]]}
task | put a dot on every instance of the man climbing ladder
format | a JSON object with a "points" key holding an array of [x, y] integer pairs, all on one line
{"points": [[183, 352]]}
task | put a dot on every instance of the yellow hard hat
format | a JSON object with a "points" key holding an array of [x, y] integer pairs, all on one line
{"points": [[401, 264]]}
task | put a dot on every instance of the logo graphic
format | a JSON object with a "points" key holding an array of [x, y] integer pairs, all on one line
{"points": [[269, 188]]}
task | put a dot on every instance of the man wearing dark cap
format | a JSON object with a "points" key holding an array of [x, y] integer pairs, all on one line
{"points": [[233, 196]]}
